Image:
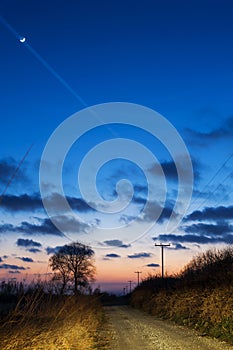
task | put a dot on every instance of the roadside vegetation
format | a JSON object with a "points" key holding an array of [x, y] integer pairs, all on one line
{"points": [[200, 296], [62, 313]]}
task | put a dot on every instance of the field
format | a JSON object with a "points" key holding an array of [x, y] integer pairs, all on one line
{"points": [[46, 321]]}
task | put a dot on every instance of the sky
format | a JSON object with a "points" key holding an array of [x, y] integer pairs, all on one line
{"points": [[116, 131]]}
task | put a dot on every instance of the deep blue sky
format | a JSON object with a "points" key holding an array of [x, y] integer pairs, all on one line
{"points": [[172, 56]]}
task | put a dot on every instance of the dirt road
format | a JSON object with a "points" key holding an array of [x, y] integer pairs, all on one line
{"points": [[133, 329]]}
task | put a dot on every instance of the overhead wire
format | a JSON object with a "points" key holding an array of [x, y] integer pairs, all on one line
{"points": [[15, 173], [211, 180]]}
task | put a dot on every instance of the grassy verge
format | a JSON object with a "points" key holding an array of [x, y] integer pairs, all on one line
{"points": [[43, 321], [201, 296]]}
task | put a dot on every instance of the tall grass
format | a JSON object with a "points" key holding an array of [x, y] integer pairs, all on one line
{"points": [[200, 296], [46, 321]]}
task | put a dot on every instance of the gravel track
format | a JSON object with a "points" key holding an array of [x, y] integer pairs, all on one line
{"points": [[136, 330]]}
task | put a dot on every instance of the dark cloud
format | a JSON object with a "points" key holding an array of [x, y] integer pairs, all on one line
{"points": [[34, 250], [33, 202], [8, 168], [0, 259], [152, 265], [55, 202], [224, 131], [112, 255], [116, 243], [68, 224], [139, 200], [170, 169], [139, 196], [25, 259], [54, 250], [178, 246], [12, 267], [21, 242], [209, 229], [150, 213], [22, 202], [126, 219], [215, 214], [140, 255], [46, 227], [141, 189], [6, 228], [205, 239], [153, 209]]}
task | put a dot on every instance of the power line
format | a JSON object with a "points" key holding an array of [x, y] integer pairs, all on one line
{"points": [[212, 192], [215, 175], [224, 197], [210, 181], [15, 173]]}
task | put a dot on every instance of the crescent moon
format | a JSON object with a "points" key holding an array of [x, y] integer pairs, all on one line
{"points": [[22, 40]]}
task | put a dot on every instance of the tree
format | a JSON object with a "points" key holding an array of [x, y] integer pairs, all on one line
{"points": [[73, 263]]}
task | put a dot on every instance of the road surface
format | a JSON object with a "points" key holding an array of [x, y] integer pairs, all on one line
{"points": [[133, 329]]}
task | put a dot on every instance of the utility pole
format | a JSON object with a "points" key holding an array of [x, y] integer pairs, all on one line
{"points": [[162, 246], [130, 284], [138, 273]]}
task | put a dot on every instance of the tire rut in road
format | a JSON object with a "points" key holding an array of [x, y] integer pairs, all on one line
{"points": [[133, 329]]}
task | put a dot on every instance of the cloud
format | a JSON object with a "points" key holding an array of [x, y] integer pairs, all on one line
{"points": [[205, 239], [140, 255], [0, 259], [153, 209], [12, 267], [55, 201], [8, 168], [54, 250], [116, 243], [27, 243], [218, 213], [138, 199], [170, 169], [126, 219], [46, 227], [34, 250], [152, 265], [178, 246], [112, 255], [209, 229], [25, 259], [225, 130], [6, 228], [150, 212], [33, 202], [141, 189], [22, 202]]}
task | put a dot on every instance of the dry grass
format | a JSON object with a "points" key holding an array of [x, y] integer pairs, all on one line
{"points": [[200, 297], [50, 322]]}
